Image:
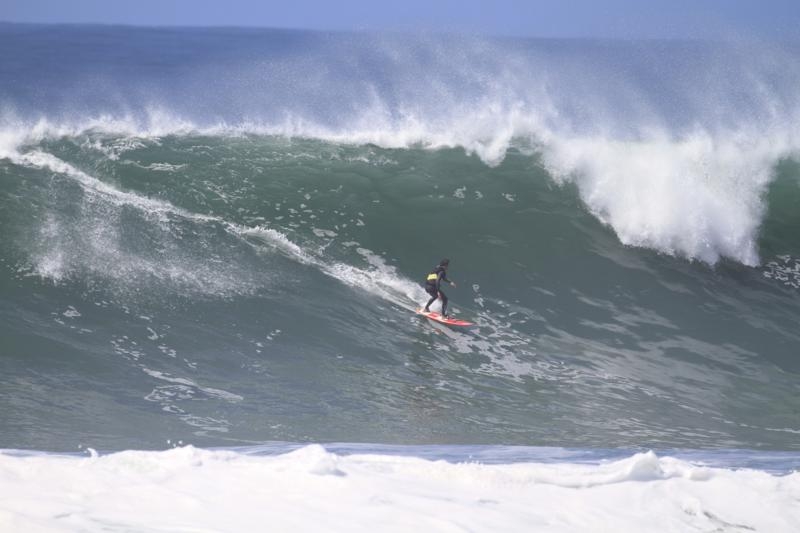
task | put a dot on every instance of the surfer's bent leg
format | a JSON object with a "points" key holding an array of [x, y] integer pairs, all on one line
{"points": [[434, 294], [443, 296]]}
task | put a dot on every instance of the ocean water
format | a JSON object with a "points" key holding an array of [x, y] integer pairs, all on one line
{"points": [[213, 242]]}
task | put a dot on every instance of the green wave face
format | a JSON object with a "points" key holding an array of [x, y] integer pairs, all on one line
{"points": [[232, 289]]}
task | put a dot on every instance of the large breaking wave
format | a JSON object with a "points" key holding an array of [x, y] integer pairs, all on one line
{"points": [[672, 144]]}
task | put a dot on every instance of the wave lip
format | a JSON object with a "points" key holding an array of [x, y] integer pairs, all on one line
{"points": [[312, 488]]}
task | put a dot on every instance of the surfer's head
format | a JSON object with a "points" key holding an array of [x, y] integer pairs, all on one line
{"points": [[444, 262]]}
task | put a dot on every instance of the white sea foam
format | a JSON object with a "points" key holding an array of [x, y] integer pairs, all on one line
{"points": [[215, 393], [785, 269], [312, 489], [378, 278], [697, 196]]}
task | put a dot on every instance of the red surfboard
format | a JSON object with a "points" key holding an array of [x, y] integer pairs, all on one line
{"points": [[433, 315]]}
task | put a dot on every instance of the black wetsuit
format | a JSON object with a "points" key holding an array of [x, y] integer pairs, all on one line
{"points": [[432, 287]]}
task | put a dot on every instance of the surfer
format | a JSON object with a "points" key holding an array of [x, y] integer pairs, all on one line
{"points": [[433, 283]]}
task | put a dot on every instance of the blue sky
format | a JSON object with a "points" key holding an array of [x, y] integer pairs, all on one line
{"points": [[552, 18]]}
